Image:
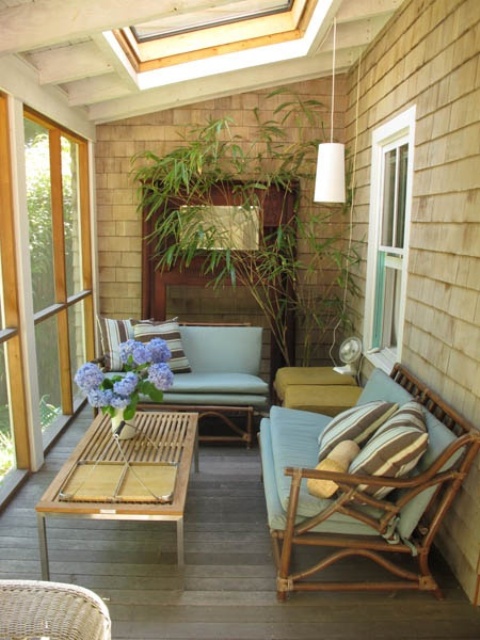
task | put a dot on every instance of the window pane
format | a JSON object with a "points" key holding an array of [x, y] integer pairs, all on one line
{"points": [[402, 195], [37, 160], [389, 198], [76, 334], [2, 321], [46, 338], [71, 216], [7, 451], [394, 194], [391, 314]]}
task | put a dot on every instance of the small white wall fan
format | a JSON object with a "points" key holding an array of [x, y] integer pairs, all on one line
{"points": [[349, 353]]}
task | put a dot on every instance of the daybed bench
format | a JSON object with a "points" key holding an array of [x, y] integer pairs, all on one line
{"points": [[216, 367], [374, 516]]}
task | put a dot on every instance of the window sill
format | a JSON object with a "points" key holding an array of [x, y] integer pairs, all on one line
{"points": [[382, 360]]}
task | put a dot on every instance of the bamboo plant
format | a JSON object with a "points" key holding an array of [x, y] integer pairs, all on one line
{"points": [[282, 281]]}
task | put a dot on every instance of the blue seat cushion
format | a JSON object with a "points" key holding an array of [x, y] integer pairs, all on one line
{"points": [[277, 500], [231, 383], [294, 443]]}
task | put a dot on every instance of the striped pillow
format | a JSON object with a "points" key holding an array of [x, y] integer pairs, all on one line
{"points": [[112, 333], [357, 424], [146, 330], [396, 447]]}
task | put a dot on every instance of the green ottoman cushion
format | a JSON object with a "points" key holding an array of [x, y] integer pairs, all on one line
{"points": [[308, 375], [327, 399]]}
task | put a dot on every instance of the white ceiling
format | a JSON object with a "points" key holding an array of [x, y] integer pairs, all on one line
{"points": [[69, 44]]}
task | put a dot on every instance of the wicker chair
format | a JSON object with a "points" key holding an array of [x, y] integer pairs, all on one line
{"points": [[37, 609]]}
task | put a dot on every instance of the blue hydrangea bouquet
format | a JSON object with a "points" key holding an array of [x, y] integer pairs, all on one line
{"points": [[145, 373]]}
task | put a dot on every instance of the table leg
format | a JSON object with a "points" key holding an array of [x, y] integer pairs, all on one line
{"points": [[180, 551], [195, 451], [42, 540]]}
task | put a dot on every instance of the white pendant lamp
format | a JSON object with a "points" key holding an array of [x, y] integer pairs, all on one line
{"points": [[330, 175]]}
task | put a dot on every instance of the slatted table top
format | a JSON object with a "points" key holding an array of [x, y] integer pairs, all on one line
{"points": [[162, 439]]}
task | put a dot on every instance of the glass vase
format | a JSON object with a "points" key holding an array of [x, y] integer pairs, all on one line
{"points": [[121, 428]]}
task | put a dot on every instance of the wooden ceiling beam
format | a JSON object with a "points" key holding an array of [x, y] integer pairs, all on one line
{"points": [[354, 10], [45, 23], [69, 63], [352, 34], [93, 90]]}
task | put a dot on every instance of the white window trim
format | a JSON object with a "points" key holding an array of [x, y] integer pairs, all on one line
{"points": [[402, 127]]}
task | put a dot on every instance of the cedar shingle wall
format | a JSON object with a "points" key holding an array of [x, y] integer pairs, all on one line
{"points": [[429, 56]]}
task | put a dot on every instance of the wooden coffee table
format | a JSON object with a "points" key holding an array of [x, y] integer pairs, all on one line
{"points": [[145, 478]]}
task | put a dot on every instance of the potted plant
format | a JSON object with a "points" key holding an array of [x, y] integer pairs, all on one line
{"points": [[145, 373]]}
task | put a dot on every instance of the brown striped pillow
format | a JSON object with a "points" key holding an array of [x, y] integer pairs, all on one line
{"points": [[112, 333], [394, 449], [146, 330], [357, 424]]}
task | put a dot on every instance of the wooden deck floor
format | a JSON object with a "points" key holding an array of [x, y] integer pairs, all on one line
{"points": [[227, 589]]}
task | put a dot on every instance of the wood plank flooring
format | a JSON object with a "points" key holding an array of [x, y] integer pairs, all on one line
{"points": [[227, 588]]}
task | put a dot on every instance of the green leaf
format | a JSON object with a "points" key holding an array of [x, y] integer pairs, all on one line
{"points": [[155, 394], [129, 411]]}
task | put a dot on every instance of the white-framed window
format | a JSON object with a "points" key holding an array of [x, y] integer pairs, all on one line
{"points": [[388, 238]]}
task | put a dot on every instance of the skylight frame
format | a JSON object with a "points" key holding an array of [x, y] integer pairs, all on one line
{"points": [[197, 44]]}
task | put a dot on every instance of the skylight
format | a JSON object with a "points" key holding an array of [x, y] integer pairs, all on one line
{"points": [[208, 18]]}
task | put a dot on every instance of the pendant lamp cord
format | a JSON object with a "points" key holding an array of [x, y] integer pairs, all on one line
{"points": [[332, 110], [350, 238]]}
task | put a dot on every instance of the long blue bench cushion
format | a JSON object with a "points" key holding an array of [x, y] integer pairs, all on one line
{"points": [[294, 435], [381, 387], [309, 505], [214, 399], [242, 389], [232, 383], [275, 511], [223, 349]]}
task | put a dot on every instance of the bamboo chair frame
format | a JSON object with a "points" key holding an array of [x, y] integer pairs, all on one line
{"points": [[350, 500]]}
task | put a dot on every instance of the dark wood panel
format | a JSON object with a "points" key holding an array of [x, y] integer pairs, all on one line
{"points": [[277, 208]]}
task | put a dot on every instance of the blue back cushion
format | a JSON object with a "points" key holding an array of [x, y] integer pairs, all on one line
{"points": [[381, 387], [223, 349]]}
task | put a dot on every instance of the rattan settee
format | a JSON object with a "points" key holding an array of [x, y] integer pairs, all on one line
{"points": [[40, 609], [355, 521]]}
